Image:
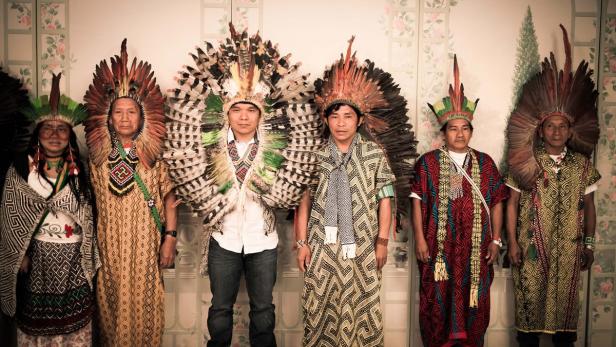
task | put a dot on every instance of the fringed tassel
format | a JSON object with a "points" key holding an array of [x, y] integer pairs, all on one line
{"points": [[440, 270], [474, 299], [348, 251], [38, 156], [331, 235]]}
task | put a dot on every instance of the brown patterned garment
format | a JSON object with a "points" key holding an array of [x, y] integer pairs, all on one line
{"points": [[550, 235], [341, 300], [129, 288]]}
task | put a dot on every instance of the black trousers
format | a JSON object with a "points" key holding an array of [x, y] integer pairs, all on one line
{"points": [[559, 339]]}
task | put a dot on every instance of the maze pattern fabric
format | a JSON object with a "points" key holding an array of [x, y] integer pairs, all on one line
{"points": [[79, 338], [129, 285], [341, 296], [22, 208], [444, 313], [54, 298], [121, 171], [546, 288]]}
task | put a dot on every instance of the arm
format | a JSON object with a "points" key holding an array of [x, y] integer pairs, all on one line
{"points": [[301, 231], [515, 256], [167, 249], [383, 237], [421, 247], [590, 220], [496, 215]]}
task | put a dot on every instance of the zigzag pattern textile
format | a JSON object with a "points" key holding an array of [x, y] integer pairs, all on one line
{"points": [[444, 313], [341, 296]]}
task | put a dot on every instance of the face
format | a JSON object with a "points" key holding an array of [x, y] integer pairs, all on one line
{"points": [[458, 134], [343, 124], [125, 118], [54, 136], [555, 132], [243, 120]]}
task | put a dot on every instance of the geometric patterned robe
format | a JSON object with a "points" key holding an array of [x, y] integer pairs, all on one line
{"points": [[341, 296], [444, 313], [547, 286], [130, 293]]}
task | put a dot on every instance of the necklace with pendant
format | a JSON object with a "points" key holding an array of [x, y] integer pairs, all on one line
{"points": [[57, 165]]}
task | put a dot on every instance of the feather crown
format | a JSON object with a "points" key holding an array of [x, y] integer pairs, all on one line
{"points": [[56, 107], [242, 68], [137, 83], [456, 105], [377, 97], [552, 92]]}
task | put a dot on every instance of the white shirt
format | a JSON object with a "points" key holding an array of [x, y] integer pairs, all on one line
{"points": [[244, 226], [58, 227]]}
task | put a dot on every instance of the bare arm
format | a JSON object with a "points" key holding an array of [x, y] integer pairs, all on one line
{"points": [[301, 230], [590, 221], [384, 226], [496, 216], [167, 249], [421, 247]]}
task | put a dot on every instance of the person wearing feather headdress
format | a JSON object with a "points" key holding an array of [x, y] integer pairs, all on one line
{"points": [[136, 207], [343, 223], [457, 197], [48, 251], [242, 132], [552, 133]]}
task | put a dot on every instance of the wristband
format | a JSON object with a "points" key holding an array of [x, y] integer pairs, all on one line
{"points": [[382, 241], [172, 233]]}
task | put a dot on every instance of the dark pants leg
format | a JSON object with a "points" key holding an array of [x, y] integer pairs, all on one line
{"points": [[224, 268], [564, 338], [260, 269], [528, 339]]}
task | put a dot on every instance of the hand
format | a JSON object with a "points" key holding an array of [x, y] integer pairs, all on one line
{"points": [[492, 256], [25, 265], [588, 257], [167, 252], [421, 251], [303, 257], [381, 256], [514, 253]]}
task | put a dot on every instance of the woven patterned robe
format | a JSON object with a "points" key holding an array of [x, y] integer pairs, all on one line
{"points": [[341, 297], [546, 288], [445, 315], [129, 286]]}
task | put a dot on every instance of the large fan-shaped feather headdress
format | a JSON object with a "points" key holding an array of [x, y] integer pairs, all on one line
{"points": [[376, 96], [137, 83], [13, 125], [552, 92], [241, 69]]}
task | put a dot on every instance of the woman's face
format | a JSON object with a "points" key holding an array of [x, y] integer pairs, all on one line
{"points": [[53, 137]]}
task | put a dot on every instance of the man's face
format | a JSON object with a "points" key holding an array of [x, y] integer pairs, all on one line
{"points": [[343, 123], [243, 120], [125, 117], [555, 131], [458, 134]]}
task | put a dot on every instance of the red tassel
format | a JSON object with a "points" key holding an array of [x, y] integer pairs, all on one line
{"points": [[38, 156]]}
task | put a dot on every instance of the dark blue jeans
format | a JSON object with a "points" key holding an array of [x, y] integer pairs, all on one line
{"points": [[225, 270]]}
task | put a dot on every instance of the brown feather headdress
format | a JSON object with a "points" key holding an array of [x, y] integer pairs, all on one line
{"points": [[377, 97], [137, 83], [552, 92]]}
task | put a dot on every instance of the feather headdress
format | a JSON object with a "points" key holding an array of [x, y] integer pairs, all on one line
{"points": [[241, 69], [56, 106], [552, 92], [137, 83], [456, 105], [376, 96]]}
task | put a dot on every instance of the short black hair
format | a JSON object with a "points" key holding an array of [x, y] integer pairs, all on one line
{"points": [[444, 127], [335, 107]]}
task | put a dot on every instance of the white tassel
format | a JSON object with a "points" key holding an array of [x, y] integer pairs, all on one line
{"points": [[331, 235], [440, 270], [348, 251], [474, 295]]}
